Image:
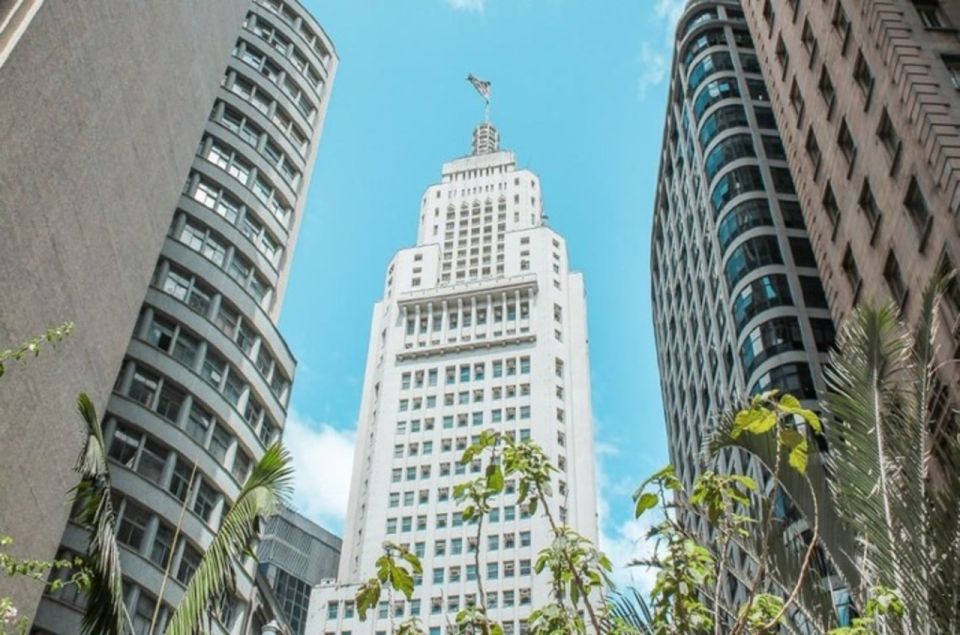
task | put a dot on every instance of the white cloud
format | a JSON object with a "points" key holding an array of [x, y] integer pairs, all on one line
{"points": [[323, 460], [473, 6], [654, 60], [625, 542]]}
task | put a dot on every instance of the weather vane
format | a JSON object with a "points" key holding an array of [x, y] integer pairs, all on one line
{"points": [[483, 87]]}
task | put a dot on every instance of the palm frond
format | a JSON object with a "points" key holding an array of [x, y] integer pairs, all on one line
{"points": [[630, 613], [105, 612], [896, 477], [266, 490]]}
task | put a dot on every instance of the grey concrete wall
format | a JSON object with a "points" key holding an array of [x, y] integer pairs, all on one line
{"points": [[101, 106]]}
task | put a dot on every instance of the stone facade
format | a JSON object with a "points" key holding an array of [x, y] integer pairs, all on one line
{"points": [[101, 106], [867, 99]]}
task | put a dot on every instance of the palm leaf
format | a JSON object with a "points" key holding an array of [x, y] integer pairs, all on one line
{"points": [[105, 611], [896, 475], [266, 490], [631, 613]]}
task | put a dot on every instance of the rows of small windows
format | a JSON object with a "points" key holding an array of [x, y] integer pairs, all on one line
{"points": [[761, 251], [290, 17], [261, 187], [494, 599], [465, 373], [451, 444], [199, 357], [794, 379], [446, 468], [709, 15], [733, 116], [172, 402], [443, 520], [294, 597], [480, 312], [780, 335], [212, 196], [261, 99], [204, 300], [745, 179], [275, 38], [914, 202], [261, 62], [217, 249], [229, 160]]}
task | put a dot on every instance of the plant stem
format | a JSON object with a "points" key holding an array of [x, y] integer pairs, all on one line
{"points": [[576, 575]]}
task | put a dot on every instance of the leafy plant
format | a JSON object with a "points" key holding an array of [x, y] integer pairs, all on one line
{"points": [[33, 345], [267, 489]]}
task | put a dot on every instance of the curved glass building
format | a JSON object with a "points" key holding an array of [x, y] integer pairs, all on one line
{"points": [[204, 387], [738, 303]]}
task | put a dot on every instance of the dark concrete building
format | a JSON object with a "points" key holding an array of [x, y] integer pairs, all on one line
{"points": [[204, 384], [101, 107], [296, 555]]}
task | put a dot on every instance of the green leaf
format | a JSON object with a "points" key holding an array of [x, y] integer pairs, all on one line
{"points": [[799, 451], [645, 502], [758, 420], [495, 478], [791, 405]]}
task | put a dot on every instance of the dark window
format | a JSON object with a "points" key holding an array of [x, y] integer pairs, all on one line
{"points": [[780, 52], [792, 214], [729, 149], [782, 181], [773, 148], [929, 12], [717, 90], [825, 86], [869, 204], [813, 295], [750, 255], [765, 118], [712, 63], [813, 150], [745, 216], [952, 292], [702, 42], [791, 379], [829, 202], [749, 63], [888, 134], [850, 270], [952, 62], [846, 143], [722, 119], [824, 333], [862, 74], [759, 295], [802, 252], [735, 182], [808, 39], [758, 90], [894, 278], [770, 338], [917, 207]]}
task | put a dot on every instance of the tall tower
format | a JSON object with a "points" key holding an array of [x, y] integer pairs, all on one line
{"points": [[204, 386], [482, 326], [737, 300], [867, 97]]}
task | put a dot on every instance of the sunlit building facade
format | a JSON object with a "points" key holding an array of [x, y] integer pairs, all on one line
{"points": [[482, 326], [205, 384], [866, 96]]}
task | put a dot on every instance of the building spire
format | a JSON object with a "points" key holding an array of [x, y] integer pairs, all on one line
{"points": [[486, 138]]}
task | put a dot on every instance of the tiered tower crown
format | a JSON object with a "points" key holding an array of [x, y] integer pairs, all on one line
{"points": [[486, 139]]}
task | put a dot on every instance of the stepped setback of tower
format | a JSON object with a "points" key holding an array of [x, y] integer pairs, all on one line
{"points": [[482, 326]]}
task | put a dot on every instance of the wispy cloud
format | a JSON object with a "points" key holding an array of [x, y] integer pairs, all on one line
{"points": [[654, 59], [473, 6], [323, 460], [626, 541]]}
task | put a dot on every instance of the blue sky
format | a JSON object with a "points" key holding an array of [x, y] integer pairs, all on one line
{"points": [[579, 91]]}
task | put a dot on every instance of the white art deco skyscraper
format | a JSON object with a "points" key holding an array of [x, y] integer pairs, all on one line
{"points": [[482, 326]]}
